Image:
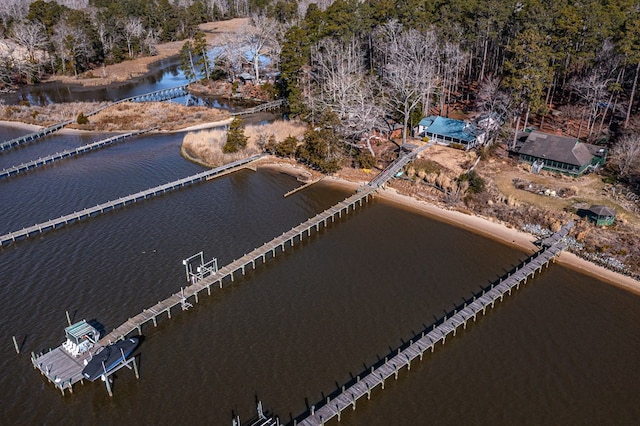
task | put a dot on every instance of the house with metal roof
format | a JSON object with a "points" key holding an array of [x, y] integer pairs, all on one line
{"points": [[560, 154], [447, 131]]}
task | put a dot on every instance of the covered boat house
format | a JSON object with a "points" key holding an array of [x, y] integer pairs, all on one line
{"points": [[450, 132], [560, 154]]}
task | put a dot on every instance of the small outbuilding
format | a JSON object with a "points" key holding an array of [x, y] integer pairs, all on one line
{"points": [[601, 215]]}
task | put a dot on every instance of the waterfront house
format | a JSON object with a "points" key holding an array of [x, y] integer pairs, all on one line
{"points": [[560, 154], [450, 132]]}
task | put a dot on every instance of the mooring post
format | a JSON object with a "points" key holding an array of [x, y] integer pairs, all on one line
{"points": [[15, 344], [135, 368], [107, 384], [68, 318]]}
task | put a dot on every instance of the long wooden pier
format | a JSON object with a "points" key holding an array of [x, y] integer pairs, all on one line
{"points": [[52, 224], [4, 146], [229, 272], [157, 96], [12, 171], [260, 254], [427, 341], [268, 106], [64, 372]]}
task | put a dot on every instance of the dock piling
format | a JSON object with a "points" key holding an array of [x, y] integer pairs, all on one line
{"points": [[15, 344]]}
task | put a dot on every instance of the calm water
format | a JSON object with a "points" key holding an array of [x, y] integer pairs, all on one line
{"points": [[563, 350], [167, 75]]}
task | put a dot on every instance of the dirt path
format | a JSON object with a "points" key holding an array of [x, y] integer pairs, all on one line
{"points": [[136, 68]]}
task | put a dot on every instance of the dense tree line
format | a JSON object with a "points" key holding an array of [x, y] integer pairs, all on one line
{"points": [[72, 36], [366, 62], [517, 57]]}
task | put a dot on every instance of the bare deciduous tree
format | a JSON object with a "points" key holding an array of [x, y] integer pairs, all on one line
{"points": [[71, 45], [258, 39], [410, 70], [217, 6], [31, 36], [625, 155], [593, 90], [344, 89], [132, 29], [13, 10]]}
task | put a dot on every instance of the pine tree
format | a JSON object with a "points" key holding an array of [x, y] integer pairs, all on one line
{"points": [[200, 50], [187, 64], [236, 139]]}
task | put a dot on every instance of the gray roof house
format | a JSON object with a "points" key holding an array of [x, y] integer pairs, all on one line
{"points": [[601, 215], [447, 131], [560, 154]]}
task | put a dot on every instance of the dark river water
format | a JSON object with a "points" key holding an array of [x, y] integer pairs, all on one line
{"points": [[166, 75], [563, 350]]}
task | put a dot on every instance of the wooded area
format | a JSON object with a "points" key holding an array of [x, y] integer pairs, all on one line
{"points": [[357, 64]]}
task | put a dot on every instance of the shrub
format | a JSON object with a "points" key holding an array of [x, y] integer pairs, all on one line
{"points": [[287, 147], [365, 160], [82, 119], [476, 182]]}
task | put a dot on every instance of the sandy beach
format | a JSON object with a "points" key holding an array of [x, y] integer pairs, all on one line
{"points": [[479, 225], [20, 125]]}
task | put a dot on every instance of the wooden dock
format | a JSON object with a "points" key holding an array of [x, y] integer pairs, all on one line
{"points": [[61, 221], [12, 171], [22, 140], [260, 254], [268, 106], [157, 96], [427, 341], [64, 371], [229, 272], [60, 368]]}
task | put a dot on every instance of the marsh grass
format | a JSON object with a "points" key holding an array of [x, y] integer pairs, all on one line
{"points": [[206, 145], [120, 117]]}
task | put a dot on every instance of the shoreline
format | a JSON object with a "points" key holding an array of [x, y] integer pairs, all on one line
{"points": [[478, 225]]}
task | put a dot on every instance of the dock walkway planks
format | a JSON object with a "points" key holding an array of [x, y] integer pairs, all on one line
{"points": [[39, 228], [61, 368], [12, 171], [6, 145], [449, 325], [157, 96], [270, 248], [63, 371]]}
